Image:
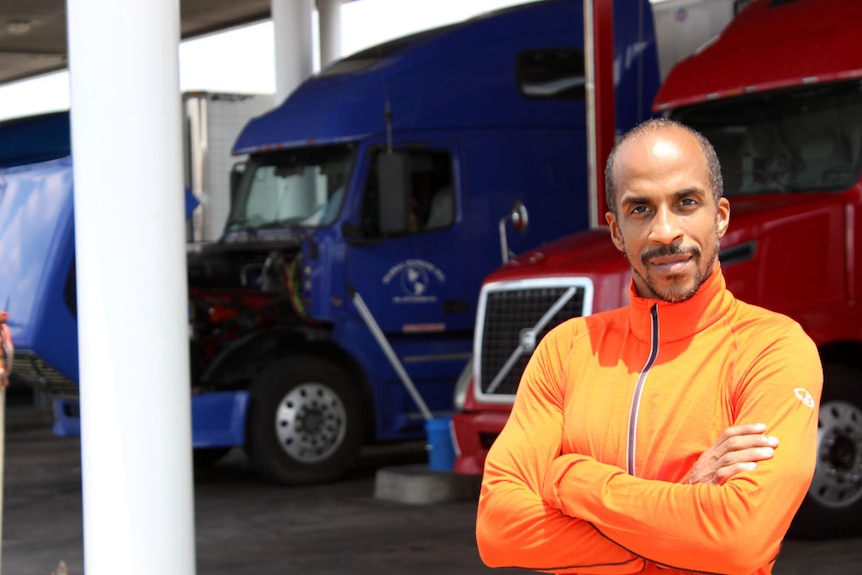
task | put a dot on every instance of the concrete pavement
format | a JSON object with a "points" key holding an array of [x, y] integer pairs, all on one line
{"points": [[246, 526]]}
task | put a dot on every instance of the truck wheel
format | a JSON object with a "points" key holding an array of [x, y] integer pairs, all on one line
{"points": [[833, 505], [305, 421]]}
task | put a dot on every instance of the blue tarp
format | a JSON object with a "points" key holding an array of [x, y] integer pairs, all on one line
{"points": [[35, 139]]}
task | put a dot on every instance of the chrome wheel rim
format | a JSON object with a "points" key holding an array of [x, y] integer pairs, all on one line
{"points": [[310, 422], [837, 479]]}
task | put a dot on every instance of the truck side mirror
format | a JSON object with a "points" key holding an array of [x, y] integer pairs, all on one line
{"points": [[394, 190], [237, 171], [519, 218]]}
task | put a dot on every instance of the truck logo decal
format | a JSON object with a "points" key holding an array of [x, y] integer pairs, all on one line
{"points": [[414, 278], [527, 339]]}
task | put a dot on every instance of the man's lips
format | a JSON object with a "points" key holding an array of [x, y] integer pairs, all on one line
{"points": [[670, 260], [670, 266]]}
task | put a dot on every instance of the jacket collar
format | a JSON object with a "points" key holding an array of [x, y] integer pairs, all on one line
{"points": [[681, 320]]}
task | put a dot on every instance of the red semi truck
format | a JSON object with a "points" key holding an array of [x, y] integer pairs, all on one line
{"points": [[779, 94]]}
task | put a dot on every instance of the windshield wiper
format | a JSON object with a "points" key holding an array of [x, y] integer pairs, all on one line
{"points": [[244, 226], [289, 223]]}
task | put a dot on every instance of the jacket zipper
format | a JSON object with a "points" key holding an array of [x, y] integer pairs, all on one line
{"points": [[636, 397]]}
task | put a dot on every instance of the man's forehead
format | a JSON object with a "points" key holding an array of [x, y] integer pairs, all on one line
{"points": [[670, 154], [664, 147], [659, 149], [660, 139]]}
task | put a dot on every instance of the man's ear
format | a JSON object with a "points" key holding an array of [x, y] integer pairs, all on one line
{"points": [[722, 216], [616, 235]]}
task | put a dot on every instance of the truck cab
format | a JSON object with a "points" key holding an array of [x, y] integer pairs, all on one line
{"points": [[782, 105], [337, 308]]}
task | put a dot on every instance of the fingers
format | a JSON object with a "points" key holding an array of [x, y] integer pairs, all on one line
{"points": [[742, 437], [737, 449], [725, 473], [739, 430], [740, 461], [717, 467]]}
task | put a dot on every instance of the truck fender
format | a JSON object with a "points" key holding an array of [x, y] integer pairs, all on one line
{"points": [[243, 359]]}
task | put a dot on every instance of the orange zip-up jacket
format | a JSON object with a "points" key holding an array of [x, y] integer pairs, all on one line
{"points": [[612, 412]]}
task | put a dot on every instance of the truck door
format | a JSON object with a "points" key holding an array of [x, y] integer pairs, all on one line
{"points": [[410, 265]]}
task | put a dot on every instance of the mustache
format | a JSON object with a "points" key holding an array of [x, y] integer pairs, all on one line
{"points": [[663, 251]]}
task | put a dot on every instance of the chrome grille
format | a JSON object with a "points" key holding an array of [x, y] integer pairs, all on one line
{"points": [[33, 370], [513, 318]]}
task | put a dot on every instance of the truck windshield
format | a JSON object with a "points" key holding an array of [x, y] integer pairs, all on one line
{"points": [[302, 187], [795, 140]]}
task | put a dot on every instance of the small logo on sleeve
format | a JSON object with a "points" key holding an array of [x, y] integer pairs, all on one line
{"points": [[804, 396]]}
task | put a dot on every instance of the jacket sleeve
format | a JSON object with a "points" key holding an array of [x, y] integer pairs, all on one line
{"points": [[515, 527], [733, 528]]}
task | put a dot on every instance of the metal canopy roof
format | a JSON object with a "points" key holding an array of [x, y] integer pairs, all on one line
{"points": [[33, 32]]}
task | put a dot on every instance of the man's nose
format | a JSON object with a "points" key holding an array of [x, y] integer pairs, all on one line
{"points": [[665, 227]]}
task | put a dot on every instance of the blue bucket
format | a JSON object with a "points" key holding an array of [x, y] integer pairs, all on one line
{"points": [[441, 450]]}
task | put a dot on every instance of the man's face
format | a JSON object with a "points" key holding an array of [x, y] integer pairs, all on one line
{"points": [[667, 222]]}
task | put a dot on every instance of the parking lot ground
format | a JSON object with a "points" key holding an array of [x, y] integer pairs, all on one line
{"points": [[244, 525], [247, 526]]}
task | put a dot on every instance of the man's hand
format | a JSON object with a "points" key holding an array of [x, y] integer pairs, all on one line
{"points": [[5, 350], [736, 450]]}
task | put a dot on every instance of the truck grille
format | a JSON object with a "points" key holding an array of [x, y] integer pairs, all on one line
{"points": [[513, 317], [33, 370]]}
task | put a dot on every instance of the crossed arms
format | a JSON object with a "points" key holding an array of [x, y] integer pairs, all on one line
{"points": [[546, 510]]}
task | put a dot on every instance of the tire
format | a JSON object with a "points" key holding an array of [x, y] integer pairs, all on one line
{"points": [[306, 421], [833, 505]]}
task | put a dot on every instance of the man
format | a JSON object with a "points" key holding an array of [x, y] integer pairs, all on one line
{"points": [[5, 350], [645, 439]]}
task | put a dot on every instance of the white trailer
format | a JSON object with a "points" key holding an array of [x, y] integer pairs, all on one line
{"points": [[212, 123], [683, 26]]}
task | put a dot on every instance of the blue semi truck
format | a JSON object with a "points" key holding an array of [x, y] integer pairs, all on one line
{"points": [[337, 308]]}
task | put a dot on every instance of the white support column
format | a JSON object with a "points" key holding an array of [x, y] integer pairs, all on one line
{"points": [[131, 285], [294, 54], [329, 22]]}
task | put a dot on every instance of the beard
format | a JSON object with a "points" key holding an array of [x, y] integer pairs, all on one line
{"points": [[675, 294]]}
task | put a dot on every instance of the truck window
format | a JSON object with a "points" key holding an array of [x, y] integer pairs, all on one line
{"points": [[430, 198], [796, 140], [551, 73], [301, 187]]}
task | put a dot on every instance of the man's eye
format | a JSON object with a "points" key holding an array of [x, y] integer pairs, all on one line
{"points": [[639, 210]]}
